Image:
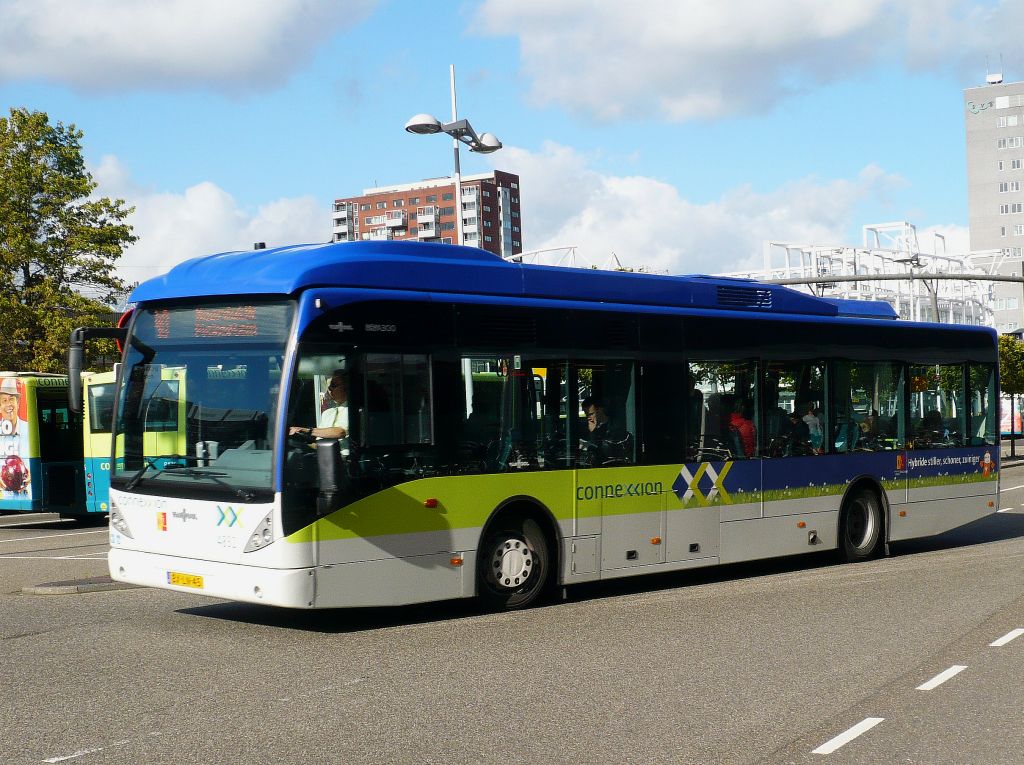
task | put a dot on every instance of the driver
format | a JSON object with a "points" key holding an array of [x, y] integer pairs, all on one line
{"points": [[333, 420]]}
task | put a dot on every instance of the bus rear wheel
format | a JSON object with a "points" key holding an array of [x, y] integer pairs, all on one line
{"points": [[514, 564], [860, 526]]}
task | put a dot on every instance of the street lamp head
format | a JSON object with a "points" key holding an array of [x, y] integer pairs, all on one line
{"points": [[488, 143], [423, 124]]}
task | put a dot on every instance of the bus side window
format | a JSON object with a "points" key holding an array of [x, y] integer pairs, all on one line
{"points": [[606, 423], [666, 403], [794, 418], [868, 405], [937, 406], [726, 428], [981, 379]]}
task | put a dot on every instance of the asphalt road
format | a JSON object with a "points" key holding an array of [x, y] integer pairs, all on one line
{"points": [[754, 663]]}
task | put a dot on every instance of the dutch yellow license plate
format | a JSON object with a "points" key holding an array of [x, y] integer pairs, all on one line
{"points": [[185, 580]]}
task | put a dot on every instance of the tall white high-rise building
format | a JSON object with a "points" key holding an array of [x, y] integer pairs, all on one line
{"points": [[994, 121]]}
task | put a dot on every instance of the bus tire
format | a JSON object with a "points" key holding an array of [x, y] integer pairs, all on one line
{"points": [[860, 526], [514, 564]]}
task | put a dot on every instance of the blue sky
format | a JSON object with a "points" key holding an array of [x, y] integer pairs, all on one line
{"points": [[679, 134]]}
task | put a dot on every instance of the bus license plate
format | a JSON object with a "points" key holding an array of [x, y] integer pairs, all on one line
{"points": [[185, 580]]}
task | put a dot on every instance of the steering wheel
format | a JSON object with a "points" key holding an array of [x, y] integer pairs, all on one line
{"points": [[300, 440]]}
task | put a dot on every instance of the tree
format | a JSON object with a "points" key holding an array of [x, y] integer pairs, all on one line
{"points": [[1011, 364], [58, 244]]}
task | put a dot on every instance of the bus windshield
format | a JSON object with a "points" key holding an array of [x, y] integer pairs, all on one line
{"points": [[196, 408]]}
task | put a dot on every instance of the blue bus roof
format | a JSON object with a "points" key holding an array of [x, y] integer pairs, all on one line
{"points": [[444, 268]]}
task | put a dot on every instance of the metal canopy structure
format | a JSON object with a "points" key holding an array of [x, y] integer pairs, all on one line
{"points": [[890, 266]]}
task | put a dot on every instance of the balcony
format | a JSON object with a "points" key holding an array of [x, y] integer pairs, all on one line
{"points": [[427, 215], [340, 226], [395, 219], [377, 233]]}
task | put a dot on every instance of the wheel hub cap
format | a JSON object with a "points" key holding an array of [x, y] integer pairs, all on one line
{"points": [[511, 563]]}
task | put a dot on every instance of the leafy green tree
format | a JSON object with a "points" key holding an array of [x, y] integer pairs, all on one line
{"points": [[1011, 364], [58, 243]]}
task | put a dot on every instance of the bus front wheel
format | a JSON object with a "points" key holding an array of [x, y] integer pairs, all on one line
{"points": [[860, 526], [514, 564]]}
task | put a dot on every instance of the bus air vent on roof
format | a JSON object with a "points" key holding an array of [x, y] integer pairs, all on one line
{"points": [[744, 297], [485, 325]]}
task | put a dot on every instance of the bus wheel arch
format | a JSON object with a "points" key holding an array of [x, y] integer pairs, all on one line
{"points": [[863, 523], [517, 556]]}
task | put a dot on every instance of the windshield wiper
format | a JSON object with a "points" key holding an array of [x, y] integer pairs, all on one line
{"points": [[136, 479], [246, 496], [178, 469]]}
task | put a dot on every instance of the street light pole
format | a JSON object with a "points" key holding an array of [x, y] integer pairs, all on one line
{"points": [[459, 239], [461, 132]]}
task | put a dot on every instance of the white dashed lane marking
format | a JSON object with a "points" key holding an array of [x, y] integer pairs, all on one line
{"points": [[942, 677], [1011, 635], [847, 736]]}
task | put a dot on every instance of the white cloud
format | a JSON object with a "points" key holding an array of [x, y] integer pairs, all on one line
{"points": [[957, 239], [218, 44], [204, 219], [645, 222], [691, 59]]}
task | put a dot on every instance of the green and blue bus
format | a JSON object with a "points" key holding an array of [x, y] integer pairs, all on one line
{"points": [[52, 460], [381, 423]]}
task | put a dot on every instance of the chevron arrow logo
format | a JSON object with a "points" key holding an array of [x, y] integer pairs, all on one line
{"points": [[229, 517]]}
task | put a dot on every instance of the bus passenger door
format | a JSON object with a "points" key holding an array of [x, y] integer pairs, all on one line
{"points": [[97, 417], [60, 452], [688, 489], [611, 488], [164, 429]]}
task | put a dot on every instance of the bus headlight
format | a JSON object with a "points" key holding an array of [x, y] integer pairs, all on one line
{"points": [[262, 535], [118, 522]]}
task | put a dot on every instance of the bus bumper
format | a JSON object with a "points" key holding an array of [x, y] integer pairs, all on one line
{"points": [[290, 588]]}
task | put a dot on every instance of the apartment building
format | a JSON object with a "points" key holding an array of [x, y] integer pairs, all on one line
{"points": [[426, 210], [994, 121]]}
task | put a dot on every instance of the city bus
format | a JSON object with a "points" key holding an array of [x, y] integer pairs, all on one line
{"points": [[52, 460], [384, 423]]}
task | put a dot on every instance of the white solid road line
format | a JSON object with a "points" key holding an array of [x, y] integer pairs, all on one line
{"points": [[845, 738], [53, 536], [942, 677], [1004, 509], [46, 557], [1011, 488], [32, 523], [1011, 635], [83, 752], [79, 753]]}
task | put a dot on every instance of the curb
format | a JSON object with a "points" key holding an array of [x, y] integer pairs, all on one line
{"points": [[75, 587]]}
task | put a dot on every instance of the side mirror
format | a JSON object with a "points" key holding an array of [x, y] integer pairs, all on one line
{"points": [[334, 478], [76, 350]]}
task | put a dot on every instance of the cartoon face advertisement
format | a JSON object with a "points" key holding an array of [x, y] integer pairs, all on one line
{"points": [[15, 479]]}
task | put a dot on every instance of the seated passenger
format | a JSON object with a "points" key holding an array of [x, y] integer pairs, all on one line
{"points": [[742, 427], [799, 439], [599, 447], [813, 421], [929, 429], [597, 418]]}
